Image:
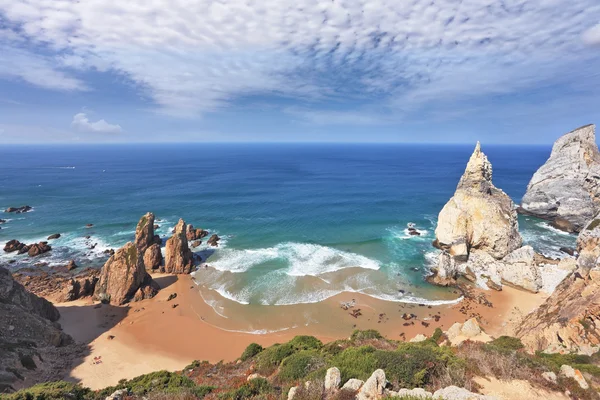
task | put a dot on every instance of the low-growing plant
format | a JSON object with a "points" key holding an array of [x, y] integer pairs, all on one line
{"points": [[160, 381], [299, 365], [506, 343], [255, 387], [306, 343], [356, 362], [358, 335], [51, 391], [269, 359], [250, 351]]}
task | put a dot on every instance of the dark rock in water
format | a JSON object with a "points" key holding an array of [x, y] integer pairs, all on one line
{"points": [[87, 237], [71, 265], [156, 226], [569, 250], [213, 241], [18, 210], [14, 245], [413, 232], [196, 243], [54, 236], [89, 225], [110, 252], [2, 221], [38, 248]]}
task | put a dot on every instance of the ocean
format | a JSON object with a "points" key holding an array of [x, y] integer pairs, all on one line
{"points": [[299, 223]]}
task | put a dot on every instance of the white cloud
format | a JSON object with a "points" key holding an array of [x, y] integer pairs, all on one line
{"points": [[82, 123], [192, 56], [592, 36]]}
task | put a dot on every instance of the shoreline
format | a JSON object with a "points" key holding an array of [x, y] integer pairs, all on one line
{"points": [[152, 335]]}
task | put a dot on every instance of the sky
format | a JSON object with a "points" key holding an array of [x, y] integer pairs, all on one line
{"points": [[442, 71]]}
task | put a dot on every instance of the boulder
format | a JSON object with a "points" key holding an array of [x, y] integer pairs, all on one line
{"points": [[416, 393], [152, 257], [71, 265], [14, 245], [374, 386], [479, 215], [419, 338], [2, 221], [292, 392], [196, 243], [121, 276], [456, 393], [353, 384], [18, 210], [147, 290], [54, 236], [213, 240], [179, 258], [566, 189], [195, 234], [38, 248], [333, 379], [520, 269], [569, 372]]}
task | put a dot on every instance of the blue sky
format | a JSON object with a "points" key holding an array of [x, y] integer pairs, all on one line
{"points": [[510, 71]]}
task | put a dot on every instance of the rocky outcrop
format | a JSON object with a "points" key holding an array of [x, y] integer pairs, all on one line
{"points": [[479, 216], [123, 276], [147, 243], [566, 189], [54, 236], [213, 240], [15, 245], [18, 210], [38, 248], [59, 285], [179, 258], [569, 320], [14, 293], [195, 234]]}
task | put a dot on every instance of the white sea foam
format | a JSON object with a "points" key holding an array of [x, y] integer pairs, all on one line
{"points": [[549, 227], [300, 259]]}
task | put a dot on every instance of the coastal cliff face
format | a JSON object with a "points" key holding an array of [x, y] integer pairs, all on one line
{"points": [[124, 277], [566, 189], [479, 216], [569, 320], [179, 258], [29, 337]]}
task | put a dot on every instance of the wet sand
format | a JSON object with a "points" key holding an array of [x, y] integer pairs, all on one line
{"points": [[157, 334]]}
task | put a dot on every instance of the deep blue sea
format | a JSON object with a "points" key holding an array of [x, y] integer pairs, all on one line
{"points": [[288, 213]]}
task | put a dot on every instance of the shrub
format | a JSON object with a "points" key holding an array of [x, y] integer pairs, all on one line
{"points": [[506, 343], [437, 335], [51, 391], [578, 361], [161, 381], [356, 362], [269, 359], [252, 350], [365, 335], [299, 365], [306, 343], [194, 364], [255, 387]]}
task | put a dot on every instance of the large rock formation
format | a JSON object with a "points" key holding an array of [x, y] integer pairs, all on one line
{"points": [[123, 276], [58, 285], [179, 258], [147, 243], [569, 320], [479, 216], [32, 346], [566, 189]]}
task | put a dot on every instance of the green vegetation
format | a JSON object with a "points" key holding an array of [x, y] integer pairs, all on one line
{"points": [[593, 225], [365, 335], [306, 343], [506, 343], [256, 387], [51, 391], [158, 382], [299, 365], [252, 350], [578, 361]]}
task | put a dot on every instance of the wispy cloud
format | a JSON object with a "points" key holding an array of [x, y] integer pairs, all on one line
{"points": [[82, 123], [196, 56]]}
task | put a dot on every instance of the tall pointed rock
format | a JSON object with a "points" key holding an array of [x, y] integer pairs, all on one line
{"points": [[566, 189], [179, 258], [147, 243]]}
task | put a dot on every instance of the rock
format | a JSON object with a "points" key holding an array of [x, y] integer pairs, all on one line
{"points": [[419, 338], [118, 395], [152, 257], [566, 189], [456, 393], [195, 234], [14, 245], [569, 372], [568, 250], [54, 236], [292, 392], [520, 269], [333, 379], [196, 243], [213, 241], [479, 215], [416, 393], [122, 276], [179, 258], [373, 387], [12, 292], [446, 271], [353, 384], [254, 376], [550, 377], [2, 221], [454, 331], [172, 296], [18, 210], [38, 248], [470, 328], [89, 225], [71, 265], [147, 290]]}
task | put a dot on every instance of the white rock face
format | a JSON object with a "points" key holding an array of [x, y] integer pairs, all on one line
{"points": [[333, 379], [374, 386], [569, 372], [353, 384], [419, 338], [292, 393], [519, 268], [415, 393], [456, 393], [566, 189], [479, 215]]}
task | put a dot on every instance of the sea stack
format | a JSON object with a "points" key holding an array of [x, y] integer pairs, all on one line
{"points": [[179, 258], [566, 189], [124, 278], [569, 320], [147, 243], [478, 216]]}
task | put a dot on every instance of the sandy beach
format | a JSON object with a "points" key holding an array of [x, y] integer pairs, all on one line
{"points": [[156, 334]]}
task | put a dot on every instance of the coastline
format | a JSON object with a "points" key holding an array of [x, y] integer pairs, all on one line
{"points": [[153, 335]]}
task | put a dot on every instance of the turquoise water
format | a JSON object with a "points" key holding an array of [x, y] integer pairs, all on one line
{"points": [[299, 223]]}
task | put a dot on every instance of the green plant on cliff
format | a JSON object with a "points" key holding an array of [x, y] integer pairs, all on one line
{"points": [[252, 350], [51, 391]]}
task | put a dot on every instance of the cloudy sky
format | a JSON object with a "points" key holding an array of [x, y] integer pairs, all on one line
{"points": [[501, 71]]}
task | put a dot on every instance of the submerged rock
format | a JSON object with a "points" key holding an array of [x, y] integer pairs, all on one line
{"points": [[566, 189], [54, 236], [18, 210], [213, 240], [179, 258]]}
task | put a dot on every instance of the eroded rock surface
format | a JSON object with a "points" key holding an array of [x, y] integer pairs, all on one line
{"points": [[179, 258]]}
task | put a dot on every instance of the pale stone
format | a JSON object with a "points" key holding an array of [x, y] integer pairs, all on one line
{"points": [[470, 328], [353, 384], [373, 387], [292, 393], [550, 376], [456, 393], [333, 379], [419, 338], [253, 376], [418, 393], [569, 372], [454, 331]]}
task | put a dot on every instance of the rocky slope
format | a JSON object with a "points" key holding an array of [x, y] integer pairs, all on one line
{"points": [[33, 348], [566, 189], [179, 258], [569, 320]]}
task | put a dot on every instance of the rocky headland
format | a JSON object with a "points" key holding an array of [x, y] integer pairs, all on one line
{"points": [[566, 189]]}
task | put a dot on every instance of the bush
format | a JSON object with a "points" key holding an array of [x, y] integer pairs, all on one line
{"points": [[252, 350], [299, 365], [365, 335], [161, 381], [306, 343], [269, 359], [578, 361], [255, 387], [194, 364], [356, 362], [506, 343], [51, 391]]}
